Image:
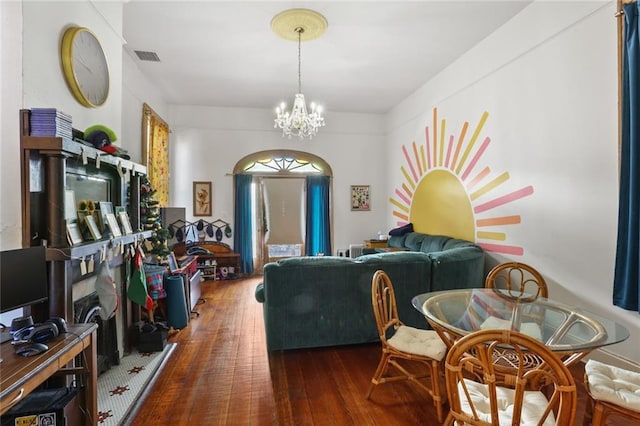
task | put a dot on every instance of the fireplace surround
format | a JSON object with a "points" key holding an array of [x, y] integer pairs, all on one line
{"points": [[51, 168]]}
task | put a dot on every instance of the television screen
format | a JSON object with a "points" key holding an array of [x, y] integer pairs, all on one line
{"points": [[23, 277]]}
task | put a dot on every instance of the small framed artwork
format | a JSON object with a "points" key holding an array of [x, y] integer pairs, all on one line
{"points": [[74, 235], [113, 225], [202, 198], [106, 207], [82, 219], [126, 224], [69, 205], [93, 227], [173, 263], [360, 198]]}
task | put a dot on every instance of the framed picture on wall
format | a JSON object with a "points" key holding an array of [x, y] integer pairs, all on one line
{"points": [[202, 198], [360, 198]]}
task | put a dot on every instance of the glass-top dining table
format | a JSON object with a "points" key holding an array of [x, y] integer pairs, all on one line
{"points": [[569, 331]]}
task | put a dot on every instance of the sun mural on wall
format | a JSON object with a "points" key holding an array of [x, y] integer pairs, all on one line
{"points": [[448, 191]]}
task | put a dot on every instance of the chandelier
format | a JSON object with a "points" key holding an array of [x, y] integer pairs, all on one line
{"points": [[299, 122]]}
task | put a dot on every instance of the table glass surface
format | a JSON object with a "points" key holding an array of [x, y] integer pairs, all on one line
{"points": [[563, 328]]}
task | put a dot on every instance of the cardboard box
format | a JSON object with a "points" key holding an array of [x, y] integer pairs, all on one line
{"points": [[41, 408]]}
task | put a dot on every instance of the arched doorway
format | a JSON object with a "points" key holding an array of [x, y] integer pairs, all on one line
{"points": [[279, 203]]}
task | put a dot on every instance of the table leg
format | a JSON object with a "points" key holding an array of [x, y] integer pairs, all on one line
{"points": [[90, 356]]}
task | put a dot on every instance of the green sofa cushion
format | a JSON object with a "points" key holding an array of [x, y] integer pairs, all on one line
{"points": [[414, 241], [433, 243], [397, 241]]}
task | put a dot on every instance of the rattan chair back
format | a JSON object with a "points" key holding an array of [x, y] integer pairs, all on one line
{"points": [[516, 277], [477, 388]]}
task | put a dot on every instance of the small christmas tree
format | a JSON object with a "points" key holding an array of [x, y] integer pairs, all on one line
{"points": [[150, 219]]}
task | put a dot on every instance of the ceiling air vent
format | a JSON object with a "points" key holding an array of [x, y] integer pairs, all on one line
{"points": [[147, 56]]}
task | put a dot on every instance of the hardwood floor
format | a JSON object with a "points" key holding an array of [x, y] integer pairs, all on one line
{"points": [[220, 374]]}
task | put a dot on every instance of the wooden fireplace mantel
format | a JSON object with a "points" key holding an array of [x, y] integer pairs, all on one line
{"points": [[45, 162]]}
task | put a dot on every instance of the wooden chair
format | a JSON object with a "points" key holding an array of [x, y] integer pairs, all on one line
{"points": [[483, 393], [612, 391], [519, 277], [403, 344]]}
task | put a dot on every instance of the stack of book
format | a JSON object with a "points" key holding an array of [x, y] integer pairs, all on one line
{"points": [[50, 122]]}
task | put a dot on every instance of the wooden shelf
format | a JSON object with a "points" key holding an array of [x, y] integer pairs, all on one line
{"points": [[71, 148], [92, 247]]}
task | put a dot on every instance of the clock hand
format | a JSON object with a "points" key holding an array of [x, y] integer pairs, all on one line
{"points": [[84, 64]]}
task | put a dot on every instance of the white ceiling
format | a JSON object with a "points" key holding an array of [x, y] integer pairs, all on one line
{"points": [[372, 56]]}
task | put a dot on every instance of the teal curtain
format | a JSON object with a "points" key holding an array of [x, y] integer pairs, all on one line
{"points": [[242, 239], [318, 230], [626, 285]]}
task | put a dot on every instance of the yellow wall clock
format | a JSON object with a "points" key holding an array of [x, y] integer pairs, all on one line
{"points": [[85, 67]]}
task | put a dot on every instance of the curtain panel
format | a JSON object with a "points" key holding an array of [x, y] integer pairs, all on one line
{"points": [[242, 240], [155, 153], [626, 286], [318, 226]]}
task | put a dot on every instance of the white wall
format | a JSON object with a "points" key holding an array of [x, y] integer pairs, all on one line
{"points": [[206, 143], [10, 104], [44, 84], [136, 91], [548, 80]]}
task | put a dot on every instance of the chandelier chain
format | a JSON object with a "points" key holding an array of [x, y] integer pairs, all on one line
{"points": [[299, 30]]}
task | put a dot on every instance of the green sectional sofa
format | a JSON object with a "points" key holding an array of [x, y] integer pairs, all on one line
{"points": [[326, 301]]}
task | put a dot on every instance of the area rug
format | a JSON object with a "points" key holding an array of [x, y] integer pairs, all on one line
{"points": [[120, 387]]}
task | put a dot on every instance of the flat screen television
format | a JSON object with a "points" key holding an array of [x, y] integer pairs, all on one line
{"points": [[23, 278]]}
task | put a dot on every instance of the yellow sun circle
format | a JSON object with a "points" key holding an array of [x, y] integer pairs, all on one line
{"points": [[441, 206]]}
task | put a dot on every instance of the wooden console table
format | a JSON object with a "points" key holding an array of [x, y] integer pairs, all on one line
{"points": [[20, 375], [223, 255]]}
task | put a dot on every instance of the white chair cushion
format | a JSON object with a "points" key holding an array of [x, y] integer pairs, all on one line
{"points": [[532, 409], [418, 342], [613, 384]]}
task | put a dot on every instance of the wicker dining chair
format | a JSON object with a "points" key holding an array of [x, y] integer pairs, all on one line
{"points": [[402, 345], [483, 393], [612, 391], [519, 277]]}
